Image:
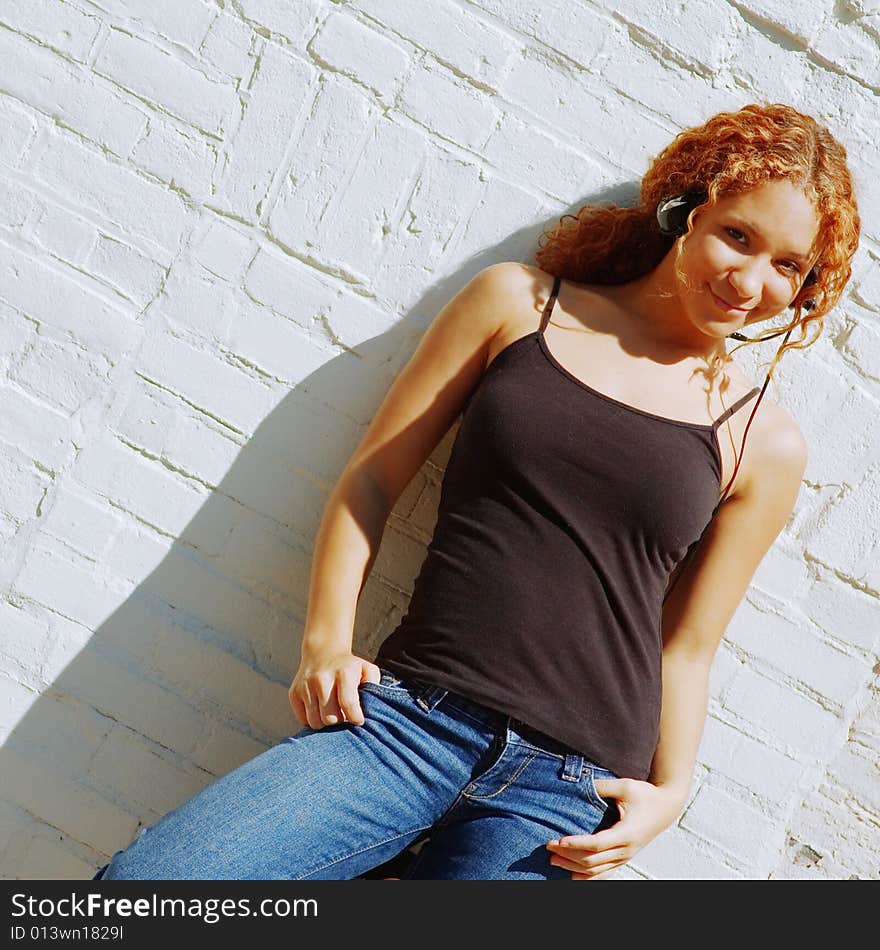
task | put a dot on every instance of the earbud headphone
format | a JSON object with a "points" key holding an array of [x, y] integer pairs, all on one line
{"points": [[672, 214]]}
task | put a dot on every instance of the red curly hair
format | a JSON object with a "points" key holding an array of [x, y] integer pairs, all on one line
{"points": [[732, 152]]}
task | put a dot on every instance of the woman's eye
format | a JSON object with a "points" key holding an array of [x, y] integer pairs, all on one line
{"points": [[733, 233], [792, 267]]}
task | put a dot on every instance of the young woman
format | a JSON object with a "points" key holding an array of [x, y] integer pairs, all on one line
{"points": [[597, 529]]}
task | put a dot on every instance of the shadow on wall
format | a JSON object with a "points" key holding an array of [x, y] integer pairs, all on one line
{"points": [[188, 677]]}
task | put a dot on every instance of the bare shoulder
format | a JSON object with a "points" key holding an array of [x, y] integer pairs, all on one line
{"points": [[777, 450], [515, 282], [518, 293]]}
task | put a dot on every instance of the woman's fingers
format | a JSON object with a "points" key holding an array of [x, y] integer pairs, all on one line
{"points": [[587, 870], [595, 877], [298, 706], [349, 702], [313, 708], [617, 836], [328, 706], [592, 860]]}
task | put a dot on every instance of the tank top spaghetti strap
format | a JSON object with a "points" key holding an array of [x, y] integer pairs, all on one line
{"points": [[545, 319]]}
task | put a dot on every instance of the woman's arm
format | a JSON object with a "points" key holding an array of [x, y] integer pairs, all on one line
{"points": [[695, 616], [421, 405], [682, 717], [346, 546]]}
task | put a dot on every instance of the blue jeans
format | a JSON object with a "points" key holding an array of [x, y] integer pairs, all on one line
{"points": [[481, 792]]}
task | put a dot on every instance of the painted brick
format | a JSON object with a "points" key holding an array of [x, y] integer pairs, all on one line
{"points": [[129, 697], [491, 224], [725, 667], [130, 769], [57, 87], [22, 487], [797, 653], [522, 153], [135, 551], [139, 485], [652, 79], [75, 591], [25, 642], [838, 836], [800, 19], [295, 21], [572, 29], [748, 761], [451, 33], [19, 128], [148, 418], [81, 522], [63, 374], [289, 288], [227, 46], [576, 105], [768, 68], [272, 343], [743, 832], [112, 191], [68, 806], [16, 334], [57, 25], [677, 855], [17, 204], [195, 302], [61, 731], [207, 382], [446, 187], [356, 195], [849, 47], [184, 23], [64, 234], [15, 701], [449, 107], [225, 681], [780, 712], [222, 749], [160, 77], [277, 96], [365, 55], [224, 251], [841, 535], [48, 860], [183, 157], [683, 28], [135, 276]]}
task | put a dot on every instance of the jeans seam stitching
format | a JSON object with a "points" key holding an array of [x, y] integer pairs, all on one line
{"points": [[394, 689], [597, 798], [345, 857], [509, 782]]}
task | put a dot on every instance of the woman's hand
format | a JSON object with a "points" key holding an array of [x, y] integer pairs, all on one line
{"points": [[325, 689], [645, 811]]}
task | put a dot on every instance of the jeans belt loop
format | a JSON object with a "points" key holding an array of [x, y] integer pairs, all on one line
{"points": [[574, 766], [430, 696]]}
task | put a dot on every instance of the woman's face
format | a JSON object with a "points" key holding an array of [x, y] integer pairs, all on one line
{"points": [[748, 256]]}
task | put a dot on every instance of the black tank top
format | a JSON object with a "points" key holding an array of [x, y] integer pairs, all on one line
{"points": [[562, 514]]}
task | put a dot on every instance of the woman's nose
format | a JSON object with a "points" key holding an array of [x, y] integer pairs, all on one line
{"points": [[746, 284]]}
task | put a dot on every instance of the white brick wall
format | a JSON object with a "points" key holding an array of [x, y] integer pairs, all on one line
{"points": [[222, 229]]}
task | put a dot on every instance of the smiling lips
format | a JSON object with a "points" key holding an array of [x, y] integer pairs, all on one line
{"points": [[728, 306]]}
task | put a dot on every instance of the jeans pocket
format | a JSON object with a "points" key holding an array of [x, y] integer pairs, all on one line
{"points": [[596, 772], [388, 681]]}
